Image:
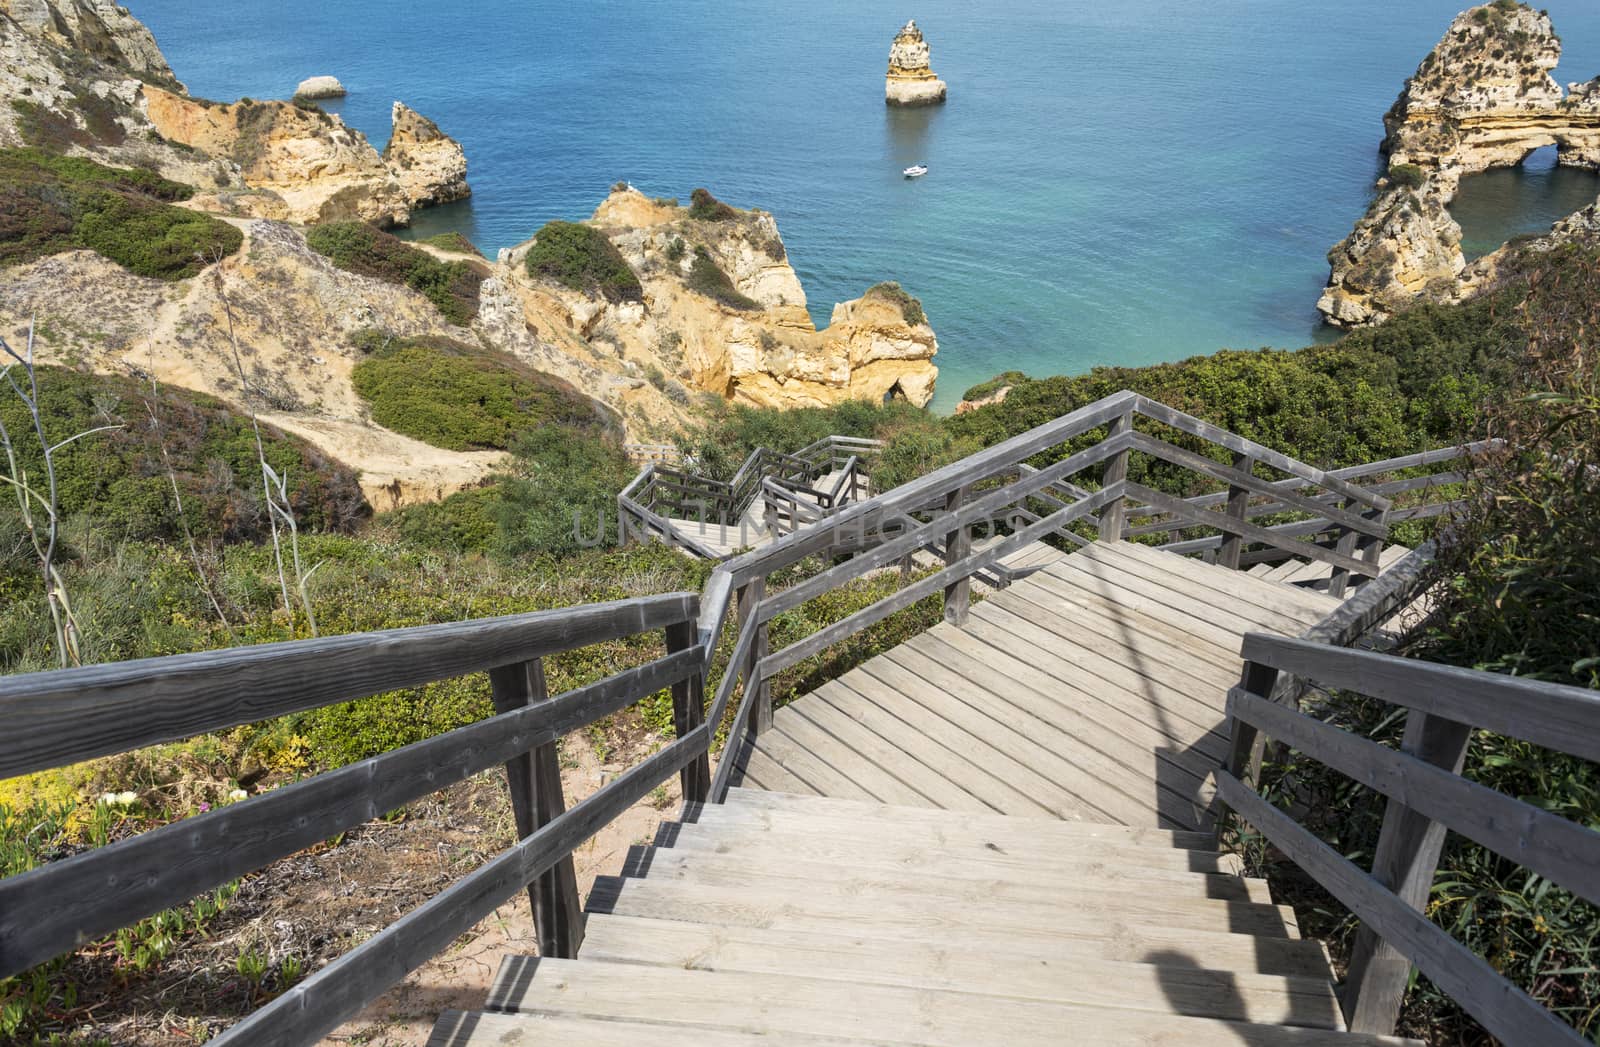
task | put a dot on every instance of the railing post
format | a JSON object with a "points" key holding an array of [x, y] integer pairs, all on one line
{"points": [[1353, 542], [1245, 745], [536, 800], [1409, 845], [689, 712], [1111, 516], [957, 547], [750, 597], [1238, 505]]}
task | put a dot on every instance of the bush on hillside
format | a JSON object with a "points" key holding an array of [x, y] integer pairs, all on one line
{"points": [[452, 242], [50, 204], [910, 308], [707, 278], [729, 432], [703, 207], [462, 397], [562, 495], [1408, 176], [119, 478], [583, 258], [369, 251]]}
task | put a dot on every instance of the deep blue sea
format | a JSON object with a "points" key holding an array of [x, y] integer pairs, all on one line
{"points": [[1111, 183]]}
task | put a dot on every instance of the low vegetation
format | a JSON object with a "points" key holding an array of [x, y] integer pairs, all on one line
{"points": [[703, 207], [369, 251], [706, 277], [462, 397], [1408, 176], [452, 242], [910, 307], [583, 258], [50, 204]]}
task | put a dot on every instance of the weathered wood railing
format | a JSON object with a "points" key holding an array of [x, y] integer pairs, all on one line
{"points": [[1427, 796], [660, 500], [57, 718]]}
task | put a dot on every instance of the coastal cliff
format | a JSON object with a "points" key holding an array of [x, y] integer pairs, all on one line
{"points": [[87, 79], [911, 80], [1483, 98]]}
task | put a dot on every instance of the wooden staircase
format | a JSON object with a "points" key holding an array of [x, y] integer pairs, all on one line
{"points": [[777, 918]]}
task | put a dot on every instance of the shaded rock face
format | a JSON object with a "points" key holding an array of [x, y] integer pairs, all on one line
{"points": [[911, 80], [1482, 98]]}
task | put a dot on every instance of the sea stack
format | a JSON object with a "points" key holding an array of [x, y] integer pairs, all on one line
{"points": [[910, 80]]}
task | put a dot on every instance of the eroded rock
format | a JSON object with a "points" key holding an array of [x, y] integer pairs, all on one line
{"points": [[911, 81]]}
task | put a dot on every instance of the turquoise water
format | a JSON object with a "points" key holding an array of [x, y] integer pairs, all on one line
{"points": [[1115, 183]]}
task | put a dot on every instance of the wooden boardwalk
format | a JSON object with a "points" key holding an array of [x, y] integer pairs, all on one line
{"points": [[1092, 690]]}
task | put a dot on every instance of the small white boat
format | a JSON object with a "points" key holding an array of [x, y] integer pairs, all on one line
{"points": [[915, 171]]}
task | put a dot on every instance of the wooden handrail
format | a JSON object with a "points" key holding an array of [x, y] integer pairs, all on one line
{"points": [[1426, 797]]}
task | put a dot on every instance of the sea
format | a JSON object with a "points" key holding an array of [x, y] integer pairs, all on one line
{"points": [[1115, 183]]}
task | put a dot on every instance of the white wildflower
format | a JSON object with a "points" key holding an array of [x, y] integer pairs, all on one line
{"points": [[237, 795]]}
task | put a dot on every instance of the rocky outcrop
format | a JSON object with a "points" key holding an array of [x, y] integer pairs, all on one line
{"points": [[911, 80], [83, 77], [769, 354], [430, 166], [305, 165], [313, 88], [98, 30], [1482, 98]]}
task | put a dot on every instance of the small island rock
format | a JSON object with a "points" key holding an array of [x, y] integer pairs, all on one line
{"points": [[320, 87], [910, 80]]}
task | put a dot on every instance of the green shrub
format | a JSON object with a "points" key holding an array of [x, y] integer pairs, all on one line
{"points": [[368, 251], [562, 494], [675, 249], [994, 385], [703, 207], [50, 204], [707, 278], [119, 478], [465, 522], [452, 242], [463, 397], [910, 308], [1408, 176], [583, 258]]}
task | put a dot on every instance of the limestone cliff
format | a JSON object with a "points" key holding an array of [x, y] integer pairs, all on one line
{"points": [[769, 354], [1482, 98], [911, 80], [86, 78]]}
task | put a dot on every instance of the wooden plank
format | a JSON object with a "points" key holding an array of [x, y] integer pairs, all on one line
{"points": [[534, 781], [869, 848], [844, 715], [317, 1005], [1099, 771], [688, 712], [1239, 509], [1270, 602], [760, 771], [827, 636], [782, 1006], [1146, 714], [1249, 531], [957, 742], [67, 715], [476, 1029], [1503, 1009], [1265, 455], [1038, 973], [1016, 833], [58, 907], [822, 776], [1556, 716], [758, 879], [958, 546], [1111, 520], [877, 781], [1249, 483]]}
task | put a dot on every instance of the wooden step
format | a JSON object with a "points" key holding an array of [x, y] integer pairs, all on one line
{"points": [[1252, 597], [1097, 924], [933, 876], [1000, 827], [1076, 904], [478, 1029], [870, 851], [784, 1005], [1039, 973]]}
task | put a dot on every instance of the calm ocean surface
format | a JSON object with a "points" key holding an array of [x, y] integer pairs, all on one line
{"points": [[1111, 183]]}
